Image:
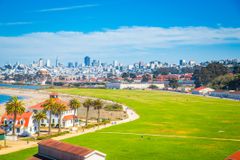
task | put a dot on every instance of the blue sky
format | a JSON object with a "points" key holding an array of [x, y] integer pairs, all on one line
{"points": [[150, 29]]}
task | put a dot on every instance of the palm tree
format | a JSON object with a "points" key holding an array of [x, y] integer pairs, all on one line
{"points": [[87, 104], [50, 106], [74, 105], [60, 107], [98, 104], [15, 106], [38, 117]]}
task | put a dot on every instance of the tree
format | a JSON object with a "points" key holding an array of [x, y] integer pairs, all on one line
{"points": [[146, 77], [235, 83], [74, 105], [222, 82], [87, 104], [132, 75], [205, 75], [98, 104], [173, 83], [49, 106], [152, 86], [60, 107], [162, 71], [236, 70], [15, 107], [38, 117], [125, 75]]}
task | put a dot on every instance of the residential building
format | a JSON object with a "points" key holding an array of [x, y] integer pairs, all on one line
{"points": [[25, 124], [202, 90], [67, 116]]}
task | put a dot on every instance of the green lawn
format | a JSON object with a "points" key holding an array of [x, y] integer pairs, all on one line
{"points": [[162, 113]]}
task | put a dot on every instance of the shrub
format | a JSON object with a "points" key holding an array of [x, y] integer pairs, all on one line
{"points": [[153, 86], [52, 135], [113, 107]]}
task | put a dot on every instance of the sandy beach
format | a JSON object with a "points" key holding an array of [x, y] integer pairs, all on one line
{"points": [[31, 97]]}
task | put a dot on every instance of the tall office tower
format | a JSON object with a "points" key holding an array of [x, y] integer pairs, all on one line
{"points": [[141, 64], [94, 63], [182, 62], [115, 63], [56, 65], [76, 64], [192, 63], [70, 65], [87, 61], [40, 62], [48, 63]]}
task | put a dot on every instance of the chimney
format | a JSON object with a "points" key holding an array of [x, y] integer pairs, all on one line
{"points": [[53, 95]]}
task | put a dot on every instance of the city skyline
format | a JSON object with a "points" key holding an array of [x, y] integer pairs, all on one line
{"points": [[110, 30], [88, 61]]}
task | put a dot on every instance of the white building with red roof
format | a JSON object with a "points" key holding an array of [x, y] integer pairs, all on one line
{"points": [[52, 149], [25, 123], [202, 90], [67, 116]]}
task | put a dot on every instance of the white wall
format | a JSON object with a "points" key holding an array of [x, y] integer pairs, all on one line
{"points": [[133, 85], [95, 156]]}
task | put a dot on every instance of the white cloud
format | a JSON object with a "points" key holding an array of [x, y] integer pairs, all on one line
{"points": [[122, 41], [14, 23], [67, 8]]}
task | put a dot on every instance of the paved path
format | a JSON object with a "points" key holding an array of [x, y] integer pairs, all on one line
{"points": [[174, 136]]}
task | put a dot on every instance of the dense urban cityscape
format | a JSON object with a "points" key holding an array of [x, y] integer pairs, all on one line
{"points": [[43, 72]]}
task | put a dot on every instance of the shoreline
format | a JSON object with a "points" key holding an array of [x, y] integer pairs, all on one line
{"points": [[30, 97]]}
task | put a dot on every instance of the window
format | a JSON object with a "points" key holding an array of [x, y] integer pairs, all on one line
{"points": [[42, 120], [53, 121], [21, 122], [18, 130]]}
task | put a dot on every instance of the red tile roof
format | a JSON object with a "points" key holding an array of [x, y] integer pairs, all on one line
{"points": [[54, 94], [66, 147], [39, 106], [69, 117], [234, 156], [25, 116], [199, 88]]}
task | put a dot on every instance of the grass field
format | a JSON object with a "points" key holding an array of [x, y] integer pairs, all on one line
{"points": [[174, 127]]}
